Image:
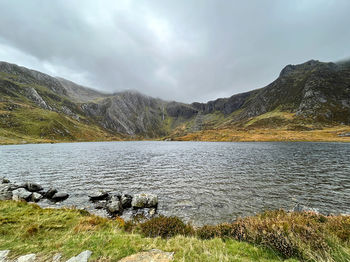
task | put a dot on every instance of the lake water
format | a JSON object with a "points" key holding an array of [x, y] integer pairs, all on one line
{"points": [[202, 182]]}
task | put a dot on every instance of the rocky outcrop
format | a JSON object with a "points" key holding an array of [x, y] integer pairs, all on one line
{"points": [[82, 257], [144, 200]]}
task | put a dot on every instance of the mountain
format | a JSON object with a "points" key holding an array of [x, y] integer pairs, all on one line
{"points": [[36, 107]]}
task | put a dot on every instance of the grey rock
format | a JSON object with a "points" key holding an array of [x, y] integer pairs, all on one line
{"points": [[5, 192], [126, 200], [344, 134], [4, 180], [98, 195], [3, 255], [144, 200], [32, 187], [57, 257], [114, 206], [36, 197], [301, 208], [58, 197], [21, 194], [27, 258], [50, 193], [82, 257]]}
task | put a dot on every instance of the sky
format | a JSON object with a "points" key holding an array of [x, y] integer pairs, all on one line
{"points": [[182, 50]]}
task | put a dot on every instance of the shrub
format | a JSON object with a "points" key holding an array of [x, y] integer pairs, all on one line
{"points": [[165, 227]]}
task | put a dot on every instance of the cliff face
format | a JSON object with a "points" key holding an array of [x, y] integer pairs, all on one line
{"points": [[314, 91]]}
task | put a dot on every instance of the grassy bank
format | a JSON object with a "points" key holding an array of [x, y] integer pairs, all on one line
{"points": [[272, 236]]}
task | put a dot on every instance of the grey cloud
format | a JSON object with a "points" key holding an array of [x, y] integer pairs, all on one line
{"points": [[177, 50]]}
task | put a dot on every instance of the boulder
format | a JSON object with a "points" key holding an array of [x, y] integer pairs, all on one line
{"points": [[114, 206], [144, 200], [126, 200], [154, 255], [21, 194], [98, 195], [3, 255], [27, 258], [101, 204], [58, 197], [5, 192], [36, 197], [32, 187], [50, 193], [82, 257]]}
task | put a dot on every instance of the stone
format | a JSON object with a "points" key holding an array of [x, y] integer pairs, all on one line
{"points": [[57, 257], [5, 192], [154, 255], [3, 255], [144, 200], [32, 187], [50, 193], [36, 197], [21, 194], [101, 204], [98, 195], [4, 180], [126, 200], [58, 197], [114, 206], [26, 258], [82, 257], [301, 208]]}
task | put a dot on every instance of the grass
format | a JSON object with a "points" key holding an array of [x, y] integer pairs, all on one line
{"points": [[27, 228]]}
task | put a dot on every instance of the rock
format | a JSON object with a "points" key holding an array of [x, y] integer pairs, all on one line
{"points": [[3, 255], [82, 257], [36, 197], [301, 208], [126, 200], [101, 204], [59, 197], [98, 195], [32, 187], [57, 257], [27, 258], [4, 180], [21, 194], [5, 192], [154, 255], [344, 134], [114, 206], [144, 200], [50, 193]]}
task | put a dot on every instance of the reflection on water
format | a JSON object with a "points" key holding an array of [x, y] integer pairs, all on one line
{"points": [[197, 181]]}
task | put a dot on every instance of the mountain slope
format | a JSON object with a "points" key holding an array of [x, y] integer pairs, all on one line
{"points": [[37, 107]]}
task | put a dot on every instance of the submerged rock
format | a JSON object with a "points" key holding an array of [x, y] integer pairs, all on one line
{"points": [[4, 180], [301, 208], [21, 194], [144, 200], [58, 197], [154, 255], [82, 257], [98, 195]]}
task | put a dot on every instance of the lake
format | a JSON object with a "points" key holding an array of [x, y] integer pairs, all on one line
{"points": [[201, 182]]}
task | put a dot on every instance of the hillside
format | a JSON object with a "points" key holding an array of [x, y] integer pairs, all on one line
{"points": [[307, 102]]}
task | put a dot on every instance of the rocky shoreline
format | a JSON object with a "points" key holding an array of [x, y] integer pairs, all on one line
{"points": [[143, 206]]}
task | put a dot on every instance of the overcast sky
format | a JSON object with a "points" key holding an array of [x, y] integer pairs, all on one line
{"points": [[184, 50]]}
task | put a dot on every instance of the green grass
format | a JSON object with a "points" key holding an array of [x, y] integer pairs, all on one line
{"points": [[26, 228]]}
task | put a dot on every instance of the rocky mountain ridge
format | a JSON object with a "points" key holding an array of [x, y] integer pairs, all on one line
{"points": [[314, 92]]}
